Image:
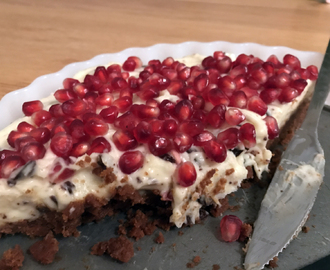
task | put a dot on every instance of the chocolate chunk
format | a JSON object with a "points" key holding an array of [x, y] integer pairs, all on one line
{"points": [[23, 172], [168, 157], [68, 186], [53, 198], [100, 162], [236, 151]]}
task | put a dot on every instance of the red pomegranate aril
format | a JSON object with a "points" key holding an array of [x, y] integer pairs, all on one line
{"points": [[156, 126], [184, 73], [144, 75], [201, 81], [288, 94], [113, 68], [191, 127], [249, 92], [170, 127], [91, 116], [21, 142], [238, 99], [126, 92], [122, 103], [92, 82], [99, 145], [129, 65], [230, 228], [209, 62], [216, 117], [234, 116], [299, 84], [313, 72], [14, 135], [304, 73], [125, 75], [142, 132], [243, 59], [269, 95], [80, 90], [127, 121], [253, 84], [148, 93], [96, 127], [218, 55], [214, 75], [188, 92], [104, 99], [182, 142], [137, 61], [6, 153], [198, 102], [272, 127], [269, 68], [101, 73], [69, 83], [224, 64], [74, 107], [167, 106], [131, 161], [119, 83], [56, 110], [168, 61], [282, 80], [62, 95], [40, 116], [79, 149], [200, 115], [61, 144], [133, 83], [202, 138], [217, 97], [273, 59], [175, 86], [247, 135], [109, 114], [183, 110], [76, 129], [155, 62], [41, 134], [33, 151], [124, 140], [152, 103], [256, 104], [25, 127], [169, 73], [215, 150], [60, 127], [230, 137], [238, 70], [159, 81], [146, 111], [292, 61], [159, 146], [10, 164], [31, 107], [295, 75], [186, 174], [259, 75], [227, 85]]}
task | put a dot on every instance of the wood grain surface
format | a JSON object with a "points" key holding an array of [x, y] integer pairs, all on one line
{"points": [[40, 37]]}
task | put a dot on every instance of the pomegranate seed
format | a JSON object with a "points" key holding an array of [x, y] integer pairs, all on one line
{"points": [[69, 83], [269, 95], [170, 127], [90, 116], [65, 174], [142, 132], [224, 64], [285, 69], [10, 164], [156, 126], [217, 97], [159, 146], [218, 55], [292, 61], [238, 70], [167, 106], [25, 127], [299, 84], [62, 95], [104, 99], [202, 138], [313, 72], [113, 68], [288, 94], [273, 59], [80, 90], [122, 103], [102, 74], [198, 102], [7, 153], [230, 137], [50, 123], [243, 59], [96, 127], [234, 116], [159, 81], [216, 117], [129, 65], [214, 75], [230, 228], [21, 142], [175, 87], [127, 121], [169, 73], [74, 107], [259, 75], [92, 82], [295, 75], [209, 62], [272, 127], [184, 73], [201, 81], [137, 61], [152, 103], [191, 127], [183, 109], [105, 88], [99, 145], [79, 149], [144, 75], [148, 93], [182, 142], [40, 116], [188, 92], [256, 104], [31, 107], [247, 135], [13, 136], [215, 150], [131, 161], [60, 127], [282, 80], [249, 92], [238, 99], [33, 151], [269, 68], [155, 62], [56, 110], [179, 67], [146, 111], [304, 73], [124, 140], [133, 83], [227, 85], [41, 134], [186, 174], [168, 61], [109, 114], [119, 83], [61, 144], [126, 92], [76, 129]]}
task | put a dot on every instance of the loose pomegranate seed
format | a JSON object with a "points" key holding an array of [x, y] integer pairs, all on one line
{"points": [[230, 137], [155, 62], [282, 80], [272, 127], [168, 61], [104, 99], [69, 83], [182, 142], [224, 64], [131, 161], [50, 123], [40, 116], [79, 149], [273, 59], [144, 75], [179, 66], [234, 116], [238, 99], [230, 228], [183, 109], [10, 164], [129, 65], [299, 84], [109, 114], [61, 144], [209, 62], [186, 174], [191, 127], [295, 75], [288, 94], [74, 107], [80, 90], [62, 95], [33, 151], [217, 97], [175, 86], [99, 145], [202, 138], [285, 69], [124, 140], [159, 146], [215, 150], [126, 92], [152, 102], [269, 95], [227, 85], [313, 72], [257, 105], [142, 132], [56, 110], [25, 127], [170, 127], [31, 107], [21, 142], [216, 117], [137, 61], [184, 73], [305, 74], [188, 92], [105, 88], [41, 134], [247, 135], [122, 103], [292, 61], [14, 135], [127, 121], [96, 127]]}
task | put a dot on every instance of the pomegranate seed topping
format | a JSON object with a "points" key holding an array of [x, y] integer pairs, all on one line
{"points": [[247, 135], [62, 95], [40, 116], [238, 70], [21, 142], [156, 126], [234, 116], [313, 72], [146, 111], [282, 80], [269, 95], [191, 127], [288, 94], [133, 83], [175, 87], [79, 149], [142, 132], [33, 151], [184, 73], [227, 85], [249, 92], [230, 137], [273, 59], [127, 121], [256, 104], [155, 62], [144, 75], [238, 99], [50, 123], [259, 75], [224, 64], [202, 138], [186, 174], [69, 83], [124, 140], [169, 73], [105, 88], [137, 61], [113, 68], [295, 75], [122, 103], [76, 129], [74, 107], [215, 150], [292, 61], [41, 134], [209, 62], [285, 69], [218, 55], [198, 102], [183, 109], [214, 75], [170, 127], [10, 164], [299, 84], [56, 110], [152, 103], [61, 144], [179, 67], [60, 127], [217, 97], [13, 136], [91, 116], [119, 83], [167, 106], [7, 153], [99, 145], [25, 127], [104, 99], [230, 228], [201, 81], [131, 161], [96, 127], [92, 82], [109, 114], [129, 65], [216, 117], [304, 73], [31, 107], [80, 90], [269, 68], [272, 127], [243, 59], [188, 92], [168, 61], [182, 142], [148, 93], [159, 146], [159, 81]]}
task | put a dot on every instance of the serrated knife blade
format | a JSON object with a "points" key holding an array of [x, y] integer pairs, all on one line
{"points": [[292, 192]]}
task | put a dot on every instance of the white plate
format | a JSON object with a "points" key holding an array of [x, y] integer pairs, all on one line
{"points": [[10, 104]]}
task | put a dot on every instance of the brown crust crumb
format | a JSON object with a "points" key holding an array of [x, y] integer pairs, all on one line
{"points": [[196, 260], [215, 267], [273, 263], [44, 251], [230, 171], [180, 233], [305, 229], [12, 259], [246, 231], [160, 238]]}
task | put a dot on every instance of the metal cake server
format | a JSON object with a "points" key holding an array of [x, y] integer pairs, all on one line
{"points": [[294, 187]]}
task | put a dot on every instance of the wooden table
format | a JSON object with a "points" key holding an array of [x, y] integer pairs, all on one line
{"points": [[40, 37]]}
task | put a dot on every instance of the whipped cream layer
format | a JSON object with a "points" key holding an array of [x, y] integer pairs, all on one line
{"points": [[19, 202]]}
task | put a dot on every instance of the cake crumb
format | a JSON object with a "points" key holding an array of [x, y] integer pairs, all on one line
{"points": [[273, 263], [180, 233], [196, 260], [160, 238], [44, 251], [215, 267], [12, 259], [305, 229], [246, 231]]}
